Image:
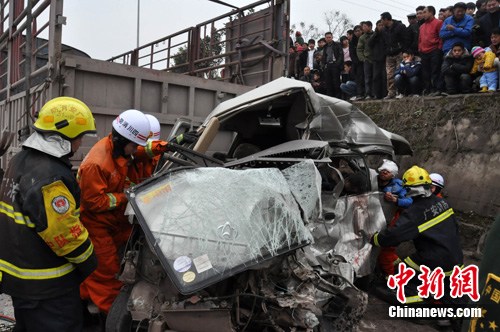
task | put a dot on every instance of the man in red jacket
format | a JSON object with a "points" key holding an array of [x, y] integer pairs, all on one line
{"points": [[430, 48]]}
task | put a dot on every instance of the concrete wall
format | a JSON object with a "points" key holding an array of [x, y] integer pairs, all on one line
{"points": [[456, 136]]}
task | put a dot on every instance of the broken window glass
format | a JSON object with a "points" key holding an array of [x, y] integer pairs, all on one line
{"points": [[207, 224]]}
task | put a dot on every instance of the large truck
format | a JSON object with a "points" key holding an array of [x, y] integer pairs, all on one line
{"points": [[183, 75]]}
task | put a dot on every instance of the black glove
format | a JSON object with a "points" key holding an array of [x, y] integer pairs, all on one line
{"points": [[189, 137]]}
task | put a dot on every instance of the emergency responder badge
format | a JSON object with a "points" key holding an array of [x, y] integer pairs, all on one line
{"points": [[60, 204]]}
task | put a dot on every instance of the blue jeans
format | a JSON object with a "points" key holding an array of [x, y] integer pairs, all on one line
{"points": [[349, 88]]}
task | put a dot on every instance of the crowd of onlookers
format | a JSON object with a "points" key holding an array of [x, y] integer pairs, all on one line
{"points": [[456, 52]]}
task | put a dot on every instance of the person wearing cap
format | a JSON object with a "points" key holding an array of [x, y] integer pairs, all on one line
{"points": [[45, 251], [114, 164], [412, 31], [484, 62], [437, 184], [457, 28], [431, 224], [298, 38]]}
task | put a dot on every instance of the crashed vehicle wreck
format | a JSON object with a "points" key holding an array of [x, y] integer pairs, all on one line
{"points": [[264, 225]]}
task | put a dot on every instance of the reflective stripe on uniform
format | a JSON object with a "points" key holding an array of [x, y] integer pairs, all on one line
{"points": [[83, 257], [18, 217], [112, 201], [412, 264], [375, 240], [149, 149], [433, 222], [413, 299], [36, 274], [416, 267]]}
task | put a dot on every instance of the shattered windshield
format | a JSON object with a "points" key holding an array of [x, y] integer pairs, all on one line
{"points": [[206, 224]]}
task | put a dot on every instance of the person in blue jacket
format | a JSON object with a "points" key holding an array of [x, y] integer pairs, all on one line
{"points": [[407, 76], [457, 28], [392, 186]]}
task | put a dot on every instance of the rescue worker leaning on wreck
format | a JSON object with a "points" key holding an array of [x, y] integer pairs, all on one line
{"points": [[45, 251], [115, 163], [431, 224]]}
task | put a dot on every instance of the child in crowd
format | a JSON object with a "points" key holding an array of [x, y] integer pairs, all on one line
{"points": [[407, 76], [317, 83], [348, 85], [484, 62], [456, 67]]}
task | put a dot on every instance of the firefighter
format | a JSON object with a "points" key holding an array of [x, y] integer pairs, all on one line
{"points": [[430, 223], [437, 184], [155, 133], [114, 164], [45, 251]]}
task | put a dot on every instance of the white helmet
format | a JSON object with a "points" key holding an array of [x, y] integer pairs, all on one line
{"points": [[437, 180], [155, 127], [133, 125]]}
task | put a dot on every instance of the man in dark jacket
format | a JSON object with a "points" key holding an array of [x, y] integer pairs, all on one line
{"points": [[396, 40], [488, 22], [45, 251], [357, 63], [412, 31], [456, 67], [377, 47], [333, 62], [431, 224]]}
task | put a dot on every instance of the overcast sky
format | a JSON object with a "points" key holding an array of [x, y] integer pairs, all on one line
{"points": [[105, 28]]}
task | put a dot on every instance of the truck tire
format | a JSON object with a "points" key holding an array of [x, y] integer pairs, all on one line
{"points": [[119, 318]]}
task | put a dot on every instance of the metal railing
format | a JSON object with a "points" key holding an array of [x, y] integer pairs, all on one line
{"points": [[230, 47]]}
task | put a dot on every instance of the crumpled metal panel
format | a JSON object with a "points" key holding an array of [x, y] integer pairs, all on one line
{"points": [[357, 217], [207, 224]]}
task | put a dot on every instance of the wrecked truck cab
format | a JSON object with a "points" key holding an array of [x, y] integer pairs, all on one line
{"points": [[285, 110], [271, 236]]}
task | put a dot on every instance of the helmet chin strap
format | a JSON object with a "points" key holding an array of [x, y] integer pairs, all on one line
{"points": [[119, 143]]}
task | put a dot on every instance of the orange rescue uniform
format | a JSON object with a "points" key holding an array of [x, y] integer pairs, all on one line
{"points": [[103, 180]]}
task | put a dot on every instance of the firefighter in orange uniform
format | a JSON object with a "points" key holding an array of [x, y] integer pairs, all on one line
{"points": [[155, 132], [111, 166], [45, 251]]}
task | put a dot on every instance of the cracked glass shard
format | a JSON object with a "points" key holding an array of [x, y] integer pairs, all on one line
{"points": [[304, 181], [231, 218]]}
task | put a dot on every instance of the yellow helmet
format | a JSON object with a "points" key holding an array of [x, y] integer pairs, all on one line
{"points": [[416, 176], [66, 116]]}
